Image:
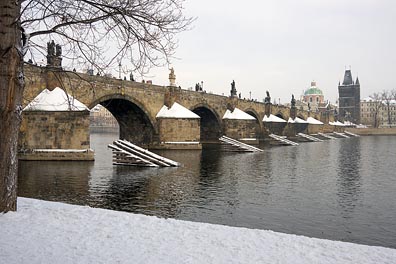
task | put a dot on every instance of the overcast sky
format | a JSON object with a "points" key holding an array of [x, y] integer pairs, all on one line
{"points": [[282, 45]]}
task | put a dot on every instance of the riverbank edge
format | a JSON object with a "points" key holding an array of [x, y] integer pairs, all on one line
{"points": [[373, 131], [53, 232]]}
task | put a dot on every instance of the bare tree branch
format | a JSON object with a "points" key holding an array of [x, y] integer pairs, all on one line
{"points": [[140, 32]]}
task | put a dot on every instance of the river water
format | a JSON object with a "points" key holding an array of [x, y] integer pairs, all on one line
{"points": [[343, 189]]}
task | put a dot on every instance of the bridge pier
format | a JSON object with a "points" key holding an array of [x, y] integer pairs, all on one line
{"points": [[50, 135]]}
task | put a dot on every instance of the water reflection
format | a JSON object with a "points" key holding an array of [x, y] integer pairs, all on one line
{"points": [[55, 180], [349, 180], [154, 191]]}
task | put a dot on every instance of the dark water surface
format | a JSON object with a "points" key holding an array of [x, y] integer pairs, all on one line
{"points": [[342, 189]]}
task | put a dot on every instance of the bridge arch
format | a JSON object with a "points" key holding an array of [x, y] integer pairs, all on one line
{"points": [[253, 113], [259, 121], [211, 124], [135, 122]]}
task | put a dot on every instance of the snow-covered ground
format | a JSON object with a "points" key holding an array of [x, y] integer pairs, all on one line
{"points": [[49, 232]]}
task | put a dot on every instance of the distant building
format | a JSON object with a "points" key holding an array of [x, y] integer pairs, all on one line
{"points": [[349, 99], [313, 100], [369, 114], [313, 95], [388, 113], [375, 113], [101, 117]]}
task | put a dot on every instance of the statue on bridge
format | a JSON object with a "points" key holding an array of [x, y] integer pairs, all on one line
{"points": [[293, 101], [172, 78], [267, 99], [198, 87], [233, 89]]}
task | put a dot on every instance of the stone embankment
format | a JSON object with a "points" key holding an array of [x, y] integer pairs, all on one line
{"points": [[373, 131]]}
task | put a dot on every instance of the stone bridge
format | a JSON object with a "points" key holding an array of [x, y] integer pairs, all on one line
{"points": [[135, 105]]}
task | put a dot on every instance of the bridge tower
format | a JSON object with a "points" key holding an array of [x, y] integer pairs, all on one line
{"points": [[349, 98], [54, 55]]}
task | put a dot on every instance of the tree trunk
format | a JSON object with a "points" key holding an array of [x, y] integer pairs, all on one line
{"points": [[11, 91]]}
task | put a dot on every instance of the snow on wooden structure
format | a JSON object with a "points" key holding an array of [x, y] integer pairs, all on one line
{"points": [[326, 135], [351, 134], [340, 134], [126, 153], [310, 137], [239, 146], [283, 140]]}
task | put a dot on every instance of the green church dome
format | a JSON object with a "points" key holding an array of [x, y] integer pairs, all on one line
{"points": [[313, 90]]}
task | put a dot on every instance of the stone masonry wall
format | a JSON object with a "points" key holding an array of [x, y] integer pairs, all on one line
{"points": [[372, 131], [54, 130], [314, 128], [238, 129], [179, 130]]}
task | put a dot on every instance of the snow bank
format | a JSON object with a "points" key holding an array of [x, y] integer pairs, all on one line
{"points": [[176, 111], [237, 114], [273, 118], [48, 232], [314, 121], [55, 100]]}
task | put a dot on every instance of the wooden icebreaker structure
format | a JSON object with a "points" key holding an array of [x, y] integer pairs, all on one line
{"points": [[126, 153], [238, 146]]}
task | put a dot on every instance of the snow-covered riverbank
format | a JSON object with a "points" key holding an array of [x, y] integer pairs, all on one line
{"points": [[48, 232]]}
